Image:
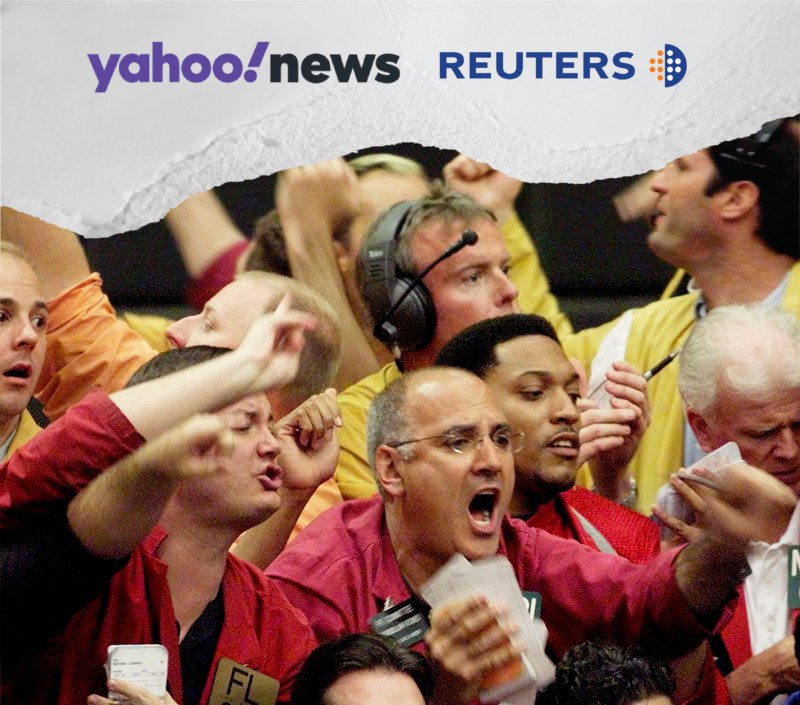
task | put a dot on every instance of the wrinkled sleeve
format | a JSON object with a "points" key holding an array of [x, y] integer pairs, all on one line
{"points": [[48, 471], [594, 596]]}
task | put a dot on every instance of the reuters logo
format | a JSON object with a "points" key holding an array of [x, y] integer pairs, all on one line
{"points": [[670, 66]]}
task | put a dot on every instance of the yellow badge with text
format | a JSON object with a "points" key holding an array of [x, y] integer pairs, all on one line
{"points": [[235, 684]]}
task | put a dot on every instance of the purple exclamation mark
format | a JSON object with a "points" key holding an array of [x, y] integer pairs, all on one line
{"points": [[255, 61]]}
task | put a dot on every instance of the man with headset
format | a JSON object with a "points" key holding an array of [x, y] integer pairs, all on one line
{"points": [[468, 286], [728, 215], [427, 270]]}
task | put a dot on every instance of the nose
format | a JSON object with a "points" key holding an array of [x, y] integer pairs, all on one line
{"points": [[788, 446], [178, 333], [658, 184], [488, 458], [507, 291], [27, 336], [268, 446], [564, 411]]}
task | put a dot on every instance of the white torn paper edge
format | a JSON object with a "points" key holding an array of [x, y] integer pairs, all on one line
{"points": [[106, 163]]}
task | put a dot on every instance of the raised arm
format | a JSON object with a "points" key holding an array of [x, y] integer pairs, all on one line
{"points": [[267, 358], [116, 511], [315, 202], [87, 346], [56, 254], [746, 506], [774, 670], [498, 192], [102, 525], [202, 230]]}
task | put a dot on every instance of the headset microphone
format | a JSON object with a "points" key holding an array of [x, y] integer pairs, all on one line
{"points": [[384, 330]]}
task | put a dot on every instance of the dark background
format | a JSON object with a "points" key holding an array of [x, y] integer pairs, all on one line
{"points": [[597, 266]]}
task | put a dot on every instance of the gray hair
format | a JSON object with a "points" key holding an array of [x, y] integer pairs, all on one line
{"points": [[442, 206], [752, 350], [387, 423]]}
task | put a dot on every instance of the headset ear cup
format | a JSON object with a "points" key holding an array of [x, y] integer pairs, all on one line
{"points": [[412, 325], [377, 270], [415, 318]]}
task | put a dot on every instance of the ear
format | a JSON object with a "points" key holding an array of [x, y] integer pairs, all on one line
{"points": [[343, 257], [387, 461], [702, 431], [738, 199]]}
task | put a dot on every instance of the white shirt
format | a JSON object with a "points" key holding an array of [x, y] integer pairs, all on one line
{"points": [[766, 589]]}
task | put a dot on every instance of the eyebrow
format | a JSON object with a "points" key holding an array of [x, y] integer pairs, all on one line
{"points": [[462, 428], [548, 376], [6, 301]]}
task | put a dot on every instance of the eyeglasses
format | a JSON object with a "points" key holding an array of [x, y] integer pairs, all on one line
{"points": [[503, 438]]}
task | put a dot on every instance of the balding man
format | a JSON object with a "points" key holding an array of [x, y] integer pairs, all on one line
{"points": [[471, 285], [23, 322], [90, 347], [442, 453]]}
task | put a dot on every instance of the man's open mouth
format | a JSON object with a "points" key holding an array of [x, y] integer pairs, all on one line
{"points": [[566, 444], [654, 214], [482, 507], [271, 478], [21, 371]]}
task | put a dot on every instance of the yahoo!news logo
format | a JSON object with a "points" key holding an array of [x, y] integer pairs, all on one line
{"points": [[669, 67], [160, 66]]}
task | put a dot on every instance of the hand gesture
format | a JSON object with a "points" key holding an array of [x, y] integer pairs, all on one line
{"points": [[309, 445], [193, 448], [744, 504], [683, 532], [326, 193], [613, 435], [469, 641], [270, 350], [487, 186]]}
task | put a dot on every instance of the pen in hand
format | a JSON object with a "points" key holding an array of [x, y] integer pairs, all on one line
{"points": [[661, 365]]}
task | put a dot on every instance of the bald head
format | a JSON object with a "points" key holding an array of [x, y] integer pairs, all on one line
{"points": [[448, 483], [388, 417], [228, 315]]}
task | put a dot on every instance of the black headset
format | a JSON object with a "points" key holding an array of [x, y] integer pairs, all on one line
{"points": [[748, 152], [404, 312]]}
